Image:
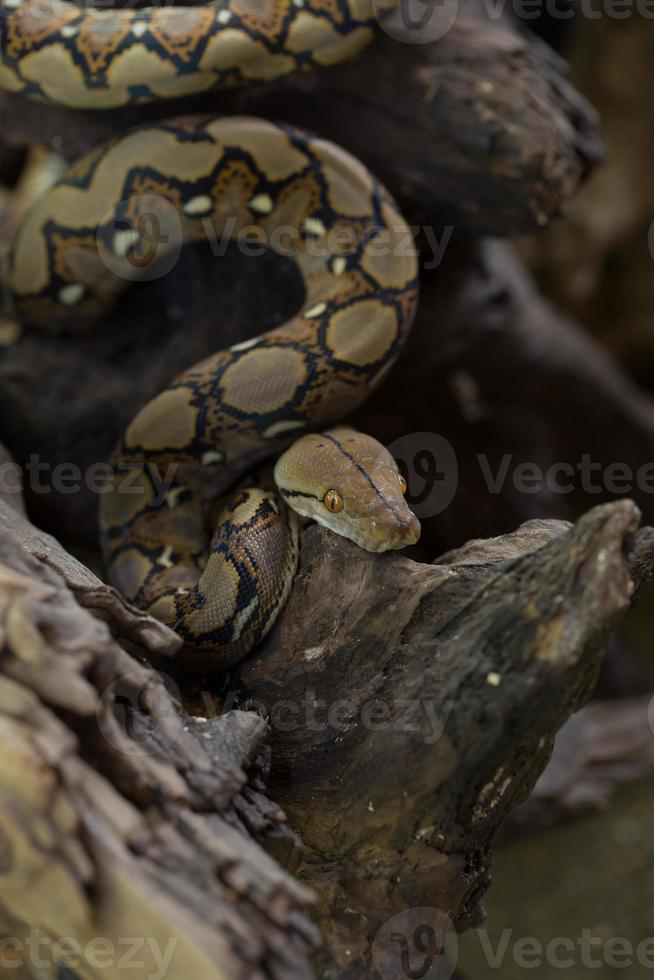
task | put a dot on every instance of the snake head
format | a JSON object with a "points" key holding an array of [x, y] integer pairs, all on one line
{"points": [[349, 483]]}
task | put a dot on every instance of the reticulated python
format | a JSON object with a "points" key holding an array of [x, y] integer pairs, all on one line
{"points": [[55, 51], [216, 558]]}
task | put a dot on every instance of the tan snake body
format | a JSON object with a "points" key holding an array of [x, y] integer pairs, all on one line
{"points": [[215, 557], [54, 51]]}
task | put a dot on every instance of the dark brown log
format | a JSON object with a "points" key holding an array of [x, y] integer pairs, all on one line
{"points": [[416, 705], [119, 816], [409, 714], [478, 128]]}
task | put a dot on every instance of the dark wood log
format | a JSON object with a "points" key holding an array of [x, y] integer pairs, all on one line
{"points": [[119, 815], [416, 705], [409, 714]]}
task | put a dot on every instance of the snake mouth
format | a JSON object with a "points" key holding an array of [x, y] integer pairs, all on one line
{"points": [[392, 535], [403, 539]]}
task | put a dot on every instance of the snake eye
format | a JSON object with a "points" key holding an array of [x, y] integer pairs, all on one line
{"points": [[333, 501], [402, 483]]}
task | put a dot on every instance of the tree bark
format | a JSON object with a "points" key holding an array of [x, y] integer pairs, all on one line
{"points": [[120, 815], [416, 706], [409, 713]]}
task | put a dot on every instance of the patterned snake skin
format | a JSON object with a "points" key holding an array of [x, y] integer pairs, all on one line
{"points": [[215, 555], [55, 51]]}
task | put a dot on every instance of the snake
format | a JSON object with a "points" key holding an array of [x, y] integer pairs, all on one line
{"points": [[206, 537], [54, 51]]}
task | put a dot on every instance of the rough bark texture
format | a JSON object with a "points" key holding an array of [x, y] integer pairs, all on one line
{"points": [[410, 712], [119, 815], [417, 705], [489, 365]]}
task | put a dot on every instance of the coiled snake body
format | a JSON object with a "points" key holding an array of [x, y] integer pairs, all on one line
{"points": [[55, 51], [216, 558]]}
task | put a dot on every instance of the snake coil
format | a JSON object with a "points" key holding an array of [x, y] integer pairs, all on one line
{"points": [[216, 556]]}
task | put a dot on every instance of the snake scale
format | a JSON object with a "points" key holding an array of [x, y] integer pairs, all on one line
{"points": [[87, 58], [216, 555]]}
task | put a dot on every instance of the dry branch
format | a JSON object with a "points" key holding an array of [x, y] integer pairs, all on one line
{"points": [[417, 704], [151, 827], [120, 817]]}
